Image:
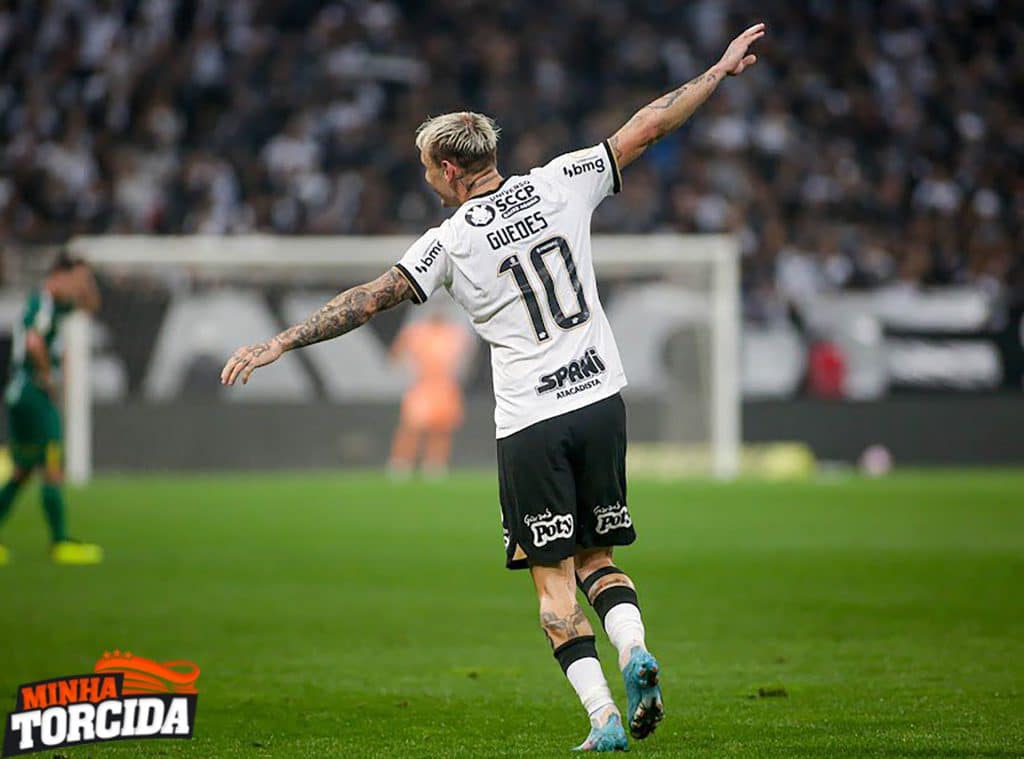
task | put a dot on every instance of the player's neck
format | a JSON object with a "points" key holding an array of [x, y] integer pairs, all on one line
{"points": [[486, 181]]}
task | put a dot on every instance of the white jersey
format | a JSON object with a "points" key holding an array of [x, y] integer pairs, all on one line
{"points": [[518, 260]]}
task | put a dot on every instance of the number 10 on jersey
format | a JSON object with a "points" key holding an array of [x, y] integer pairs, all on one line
{"points": [[538, 253]]}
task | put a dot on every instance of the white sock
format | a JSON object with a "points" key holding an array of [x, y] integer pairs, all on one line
{"points": [[588, 681], [625, 630]]}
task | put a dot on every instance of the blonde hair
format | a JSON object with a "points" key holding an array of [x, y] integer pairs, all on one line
{"points": [[465, 138]]}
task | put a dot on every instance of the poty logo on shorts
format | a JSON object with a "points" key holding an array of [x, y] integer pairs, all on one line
{"points": [[547, 527], [612, 517], [126, 697]]}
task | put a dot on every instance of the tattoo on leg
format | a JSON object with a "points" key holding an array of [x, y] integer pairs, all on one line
{"points": [[562, 629], [615, 580]]}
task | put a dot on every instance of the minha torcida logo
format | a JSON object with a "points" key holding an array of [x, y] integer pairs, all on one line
{"points": [[126, 697]]}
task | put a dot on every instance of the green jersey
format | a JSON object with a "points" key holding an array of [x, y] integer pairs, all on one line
{"points": [[44, 316]]}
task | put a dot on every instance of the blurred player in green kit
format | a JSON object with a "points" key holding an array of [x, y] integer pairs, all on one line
{"points": [[36, 436]]}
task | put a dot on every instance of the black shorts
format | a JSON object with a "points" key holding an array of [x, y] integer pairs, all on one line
{"points": [[562, 483]]}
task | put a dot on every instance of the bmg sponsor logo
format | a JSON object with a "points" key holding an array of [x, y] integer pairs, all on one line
{"points": [[126, 697], [429, 257], [582, 167], [579, 374], [548, 527]]}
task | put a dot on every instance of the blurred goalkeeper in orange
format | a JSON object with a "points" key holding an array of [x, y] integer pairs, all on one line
{"points": [[435, 348]]}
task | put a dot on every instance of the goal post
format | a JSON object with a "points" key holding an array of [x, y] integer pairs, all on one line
{"points": [[662, 286]]}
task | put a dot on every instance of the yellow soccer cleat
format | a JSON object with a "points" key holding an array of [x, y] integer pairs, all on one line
{"points": [[72, 552], [5, 556]]}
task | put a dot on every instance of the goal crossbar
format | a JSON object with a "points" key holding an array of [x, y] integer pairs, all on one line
{"points": [[614, 255]]}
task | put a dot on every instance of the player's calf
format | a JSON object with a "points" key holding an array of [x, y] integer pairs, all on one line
{"points": [[10, 490], [613, 596], [572, 641]]}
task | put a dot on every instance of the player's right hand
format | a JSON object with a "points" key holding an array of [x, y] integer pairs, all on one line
{"points": [[735, 59], [51, 389], [246, 360]]}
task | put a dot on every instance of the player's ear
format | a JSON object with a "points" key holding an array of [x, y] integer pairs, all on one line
{"points": [[450, 170]]}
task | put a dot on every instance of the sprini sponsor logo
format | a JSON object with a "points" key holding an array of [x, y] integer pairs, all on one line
{"points": [[579, 374], [126, 697]]}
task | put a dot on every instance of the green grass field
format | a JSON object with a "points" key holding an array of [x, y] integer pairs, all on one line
{"points": [[343, 615]]}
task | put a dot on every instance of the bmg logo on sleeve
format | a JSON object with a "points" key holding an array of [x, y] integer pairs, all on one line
{"points": [[582, 167], [429, 257]]}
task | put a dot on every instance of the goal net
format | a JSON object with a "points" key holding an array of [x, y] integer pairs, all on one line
{"points": [[142, 376]]}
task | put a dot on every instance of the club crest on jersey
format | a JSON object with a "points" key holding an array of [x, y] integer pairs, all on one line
{"points": [[611, 517], [579, 374], [582, 167], [547, 527], [480, 216]]}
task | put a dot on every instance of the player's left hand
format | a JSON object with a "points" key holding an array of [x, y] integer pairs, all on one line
{"points": [[735, 60], [248, 359]]}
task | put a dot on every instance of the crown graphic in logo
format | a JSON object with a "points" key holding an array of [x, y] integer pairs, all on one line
{"points": [[143, 676]]}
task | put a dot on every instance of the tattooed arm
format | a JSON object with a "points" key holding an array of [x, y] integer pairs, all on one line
{"points": [[667, 113], [342, 314]]}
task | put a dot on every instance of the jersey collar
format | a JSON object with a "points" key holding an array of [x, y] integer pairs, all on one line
{"points": [[489, 192]]}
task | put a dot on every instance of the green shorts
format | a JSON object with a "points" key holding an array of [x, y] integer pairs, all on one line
{"points": [[36, 434]]}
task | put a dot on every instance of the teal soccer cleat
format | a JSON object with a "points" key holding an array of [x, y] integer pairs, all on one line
{"points": [[609, 737], [643, 696]]}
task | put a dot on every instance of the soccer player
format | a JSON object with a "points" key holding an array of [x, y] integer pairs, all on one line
{"points": [[32, 397], [432, 407], [516, 256]]}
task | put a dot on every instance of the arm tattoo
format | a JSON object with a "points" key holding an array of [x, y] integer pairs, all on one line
{"points": [[664, 115], [562, 629], [348, 310], [666, 101]]}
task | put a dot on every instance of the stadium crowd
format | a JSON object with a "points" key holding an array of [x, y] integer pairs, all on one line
{"points": [[875, 142]]}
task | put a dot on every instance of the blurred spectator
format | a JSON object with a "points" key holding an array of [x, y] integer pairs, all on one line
{"points": [[874, 143]]}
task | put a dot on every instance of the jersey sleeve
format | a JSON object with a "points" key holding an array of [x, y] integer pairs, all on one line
{"points": [[425, 265], [591, 173], [38, 314]]}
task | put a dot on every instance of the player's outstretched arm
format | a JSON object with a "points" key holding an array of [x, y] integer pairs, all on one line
{"points": [[39, 355], [341, 314], [89, 298], [667, 113]]}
